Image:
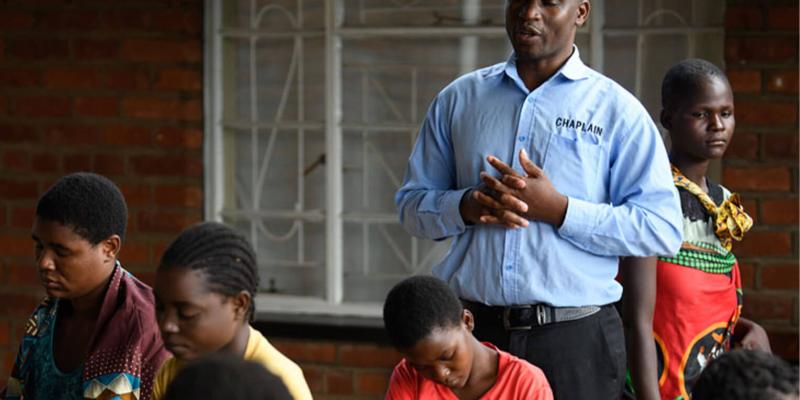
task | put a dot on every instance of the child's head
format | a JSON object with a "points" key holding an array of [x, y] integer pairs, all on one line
{"points": [[205, 288], [697, 109], [426, 321], [747, 374], [226, 377], [78, 231]]}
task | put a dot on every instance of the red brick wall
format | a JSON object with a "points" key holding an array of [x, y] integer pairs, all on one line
{"points": [[761, 54], [108, 86]]}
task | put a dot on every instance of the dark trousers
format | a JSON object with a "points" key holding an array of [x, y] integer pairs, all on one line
{"points": [[583, 359]]}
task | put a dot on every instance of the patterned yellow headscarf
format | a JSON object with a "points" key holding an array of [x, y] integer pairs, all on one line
{"points": [[730, 219]]}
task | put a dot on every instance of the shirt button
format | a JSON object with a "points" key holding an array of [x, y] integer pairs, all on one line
{"points": [[508, 267], [522, 138]]}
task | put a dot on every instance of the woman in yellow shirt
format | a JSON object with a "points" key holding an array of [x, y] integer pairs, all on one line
{"points": [[204, 292]]}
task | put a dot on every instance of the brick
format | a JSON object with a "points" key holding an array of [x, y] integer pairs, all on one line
{"points": [[72, 78], [764, 243], [760, 49], [761, 306], [158, 108], [24, 275], [743, 17], [781, 211], [22, 217], [19, 77], [743, 146], [368, 356], [2, 216], [160, 50], [3, 105], [148, 277], [179, 79], [77, 163], [43, 106], [96, 49], [5, 333], [782, 17], [45, 162], [744, 81], [15, 160], [69, 20], [779, 146], [109, 164], [70, 135], [339, 382], [784, 344], [136, 194], [748, 275], [135, 253], [37, 48], [15, 20], [304, 351], [780, 276], [18, 190], [372, 383], [757, 178], [167, 222], [176, 20], [783, 81], [97, 106], [127, 79], [124, 135], [751, 207], [17, 133], [125, 19], [16, 245], [168, 165], [766, 112], [314, 378], [179, 195], [179, 137], [19, 305]]}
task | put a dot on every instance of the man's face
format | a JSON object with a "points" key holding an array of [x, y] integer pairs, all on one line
{"points": [[544, 29]]}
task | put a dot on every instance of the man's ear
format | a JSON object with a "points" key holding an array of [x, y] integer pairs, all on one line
{"points": [[111, 247], [666, 119], [468, 320], [241, 304], [583, 13]]}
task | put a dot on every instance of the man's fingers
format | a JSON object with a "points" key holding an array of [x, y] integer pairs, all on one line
{"points": [[530, 168], [492, 183], [486, 200], [514, 204], [513, 181], [501, 166]]}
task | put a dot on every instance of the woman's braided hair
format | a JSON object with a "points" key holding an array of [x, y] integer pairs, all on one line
{"points": [[225, 257]]}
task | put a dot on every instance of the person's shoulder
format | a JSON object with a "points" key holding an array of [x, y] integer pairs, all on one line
{"points": [[474, 79], [520, 371]]}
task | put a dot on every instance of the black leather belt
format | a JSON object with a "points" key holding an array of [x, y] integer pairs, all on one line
{"points": [[525, 317]]}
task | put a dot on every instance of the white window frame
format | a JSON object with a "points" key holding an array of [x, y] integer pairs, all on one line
{"points": [[334, 33]]}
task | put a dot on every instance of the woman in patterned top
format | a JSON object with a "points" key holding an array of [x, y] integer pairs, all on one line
{"points": [[699, 295]]}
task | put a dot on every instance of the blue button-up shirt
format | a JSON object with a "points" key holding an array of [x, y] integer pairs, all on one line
{"points": [[598, 146]]}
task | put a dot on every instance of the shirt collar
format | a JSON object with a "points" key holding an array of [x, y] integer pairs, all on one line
{"points": [[574, 69]]}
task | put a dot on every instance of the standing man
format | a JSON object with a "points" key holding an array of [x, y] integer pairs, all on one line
{"points": [[583, 179]]}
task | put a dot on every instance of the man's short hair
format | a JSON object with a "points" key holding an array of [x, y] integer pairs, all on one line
{"points": [[684, 78], [746, 375], [221, 376], [90, 204], [417, 306]]}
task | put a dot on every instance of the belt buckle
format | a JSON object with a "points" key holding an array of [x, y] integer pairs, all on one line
{"points": [[507, 323], [541, 314]]}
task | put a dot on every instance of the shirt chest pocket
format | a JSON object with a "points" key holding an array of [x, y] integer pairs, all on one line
{"points": [[574, 167]]}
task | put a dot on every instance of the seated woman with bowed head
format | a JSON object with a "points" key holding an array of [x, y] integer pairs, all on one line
{"points": [[95, 335]]}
